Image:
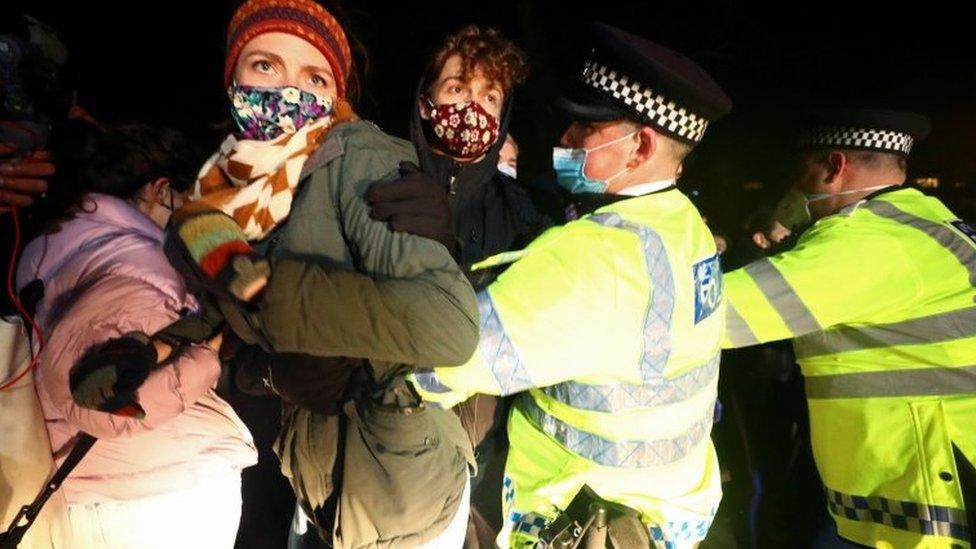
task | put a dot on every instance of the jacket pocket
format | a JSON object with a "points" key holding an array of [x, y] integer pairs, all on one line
{"points": [[403, 479], [400, 433], [937, 467]]}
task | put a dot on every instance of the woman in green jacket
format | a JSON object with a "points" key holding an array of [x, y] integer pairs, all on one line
{"points": [[370, 464]]}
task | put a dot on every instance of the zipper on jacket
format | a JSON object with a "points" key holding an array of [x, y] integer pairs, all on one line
{"points": [[455, 168]]}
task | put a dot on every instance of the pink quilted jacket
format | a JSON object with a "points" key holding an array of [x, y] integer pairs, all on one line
{"points": [[105, 274]]}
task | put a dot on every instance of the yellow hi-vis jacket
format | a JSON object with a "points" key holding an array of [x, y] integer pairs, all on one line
{"points": [[612, 325], [879, 299]]}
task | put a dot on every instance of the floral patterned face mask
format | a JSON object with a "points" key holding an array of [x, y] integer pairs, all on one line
{"points": [[463, 130], [264, 114]]}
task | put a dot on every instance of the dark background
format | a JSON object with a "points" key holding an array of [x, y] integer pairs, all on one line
{"points": [[162, 61]]}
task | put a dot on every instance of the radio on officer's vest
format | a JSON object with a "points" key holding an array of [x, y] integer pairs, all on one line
{"points": [[591, 522]]}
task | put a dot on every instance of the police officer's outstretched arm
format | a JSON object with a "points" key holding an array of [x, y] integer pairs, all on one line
{"points": [[557, 314], [838, 273]]}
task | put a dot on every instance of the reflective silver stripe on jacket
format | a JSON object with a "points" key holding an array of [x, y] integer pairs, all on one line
{"points": [[781, 296], [498, 351], [618, 397], [961, 247], [936, 328], [625, 454], [736, 328], [894, 383], [660, 309]]}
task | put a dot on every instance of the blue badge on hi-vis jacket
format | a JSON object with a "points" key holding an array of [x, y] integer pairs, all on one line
{"points": [[968, 229], [708, 287]]}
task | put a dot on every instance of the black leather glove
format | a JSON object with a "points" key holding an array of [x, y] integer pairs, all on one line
{"points": [[416, 204], [108, 375], [319, 384]]}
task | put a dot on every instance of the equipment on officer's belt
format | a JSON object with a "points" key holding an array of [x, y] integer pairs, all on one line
{"points": [[120, 353], [591, 522]]}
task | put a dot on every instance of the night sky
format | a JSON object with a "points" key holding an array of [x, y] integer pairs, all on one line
{"points": [[162, 61]]}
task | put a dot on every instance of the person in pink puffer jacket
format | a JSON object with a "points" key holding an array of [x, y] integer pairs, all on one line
{"points": [[171, 479]]}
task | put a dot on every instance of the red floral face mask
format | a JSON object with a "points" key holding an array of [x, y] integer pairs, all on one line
{"points": [[463, 130]]}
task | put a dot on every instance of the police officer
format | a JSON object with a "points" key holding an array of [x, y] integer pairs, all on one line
{"points": [[878, 296], [610, 325]]}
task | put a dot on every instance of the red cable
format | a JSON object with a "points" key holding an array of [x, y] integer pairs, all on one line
{"points": [[20, 306], [10, 280]]}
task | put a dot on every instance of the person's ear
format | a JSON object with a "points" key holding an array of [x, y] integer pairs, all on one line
{"points": [[836, 166], [158, 190], [647, 145]]}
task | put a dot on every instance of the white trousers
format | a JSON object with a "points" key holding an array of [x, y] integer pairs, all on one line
{"points": [[453, 536], [205, 517]]}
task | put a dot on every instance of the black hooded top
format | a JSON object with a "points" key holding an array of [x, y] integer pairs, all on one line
{"points": [[492, 213]]}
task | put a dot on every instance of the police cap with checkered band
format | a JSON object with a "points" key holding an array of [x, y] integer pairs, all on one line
{"points": [[874, 130], [626, 76]]}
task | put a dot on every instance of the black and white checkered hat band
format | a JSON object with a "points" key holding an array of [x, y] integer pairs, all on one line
{"points": [[644, 101], [860, 138]]}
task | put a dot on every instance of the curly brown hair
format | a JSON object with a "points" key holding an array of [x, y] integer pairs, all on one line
{"points": [[485, 50]]}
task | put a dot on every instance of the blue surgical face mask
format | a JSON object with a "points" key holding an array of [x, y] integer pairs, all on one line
{"points": [[570, 166]]}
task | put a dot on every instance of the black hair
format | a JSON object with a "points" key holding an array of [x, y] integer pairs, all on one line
{"points": [[118, 160]]}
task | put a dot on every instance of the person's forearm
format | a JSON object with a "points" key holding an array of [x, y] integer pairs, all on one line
{"points": [[423, 320]]}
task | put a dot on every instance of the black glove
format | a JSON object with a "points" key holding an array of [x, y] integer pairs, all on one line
{"points": [[193, 328], [319, 384], [416, 204], [108, 375]]}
